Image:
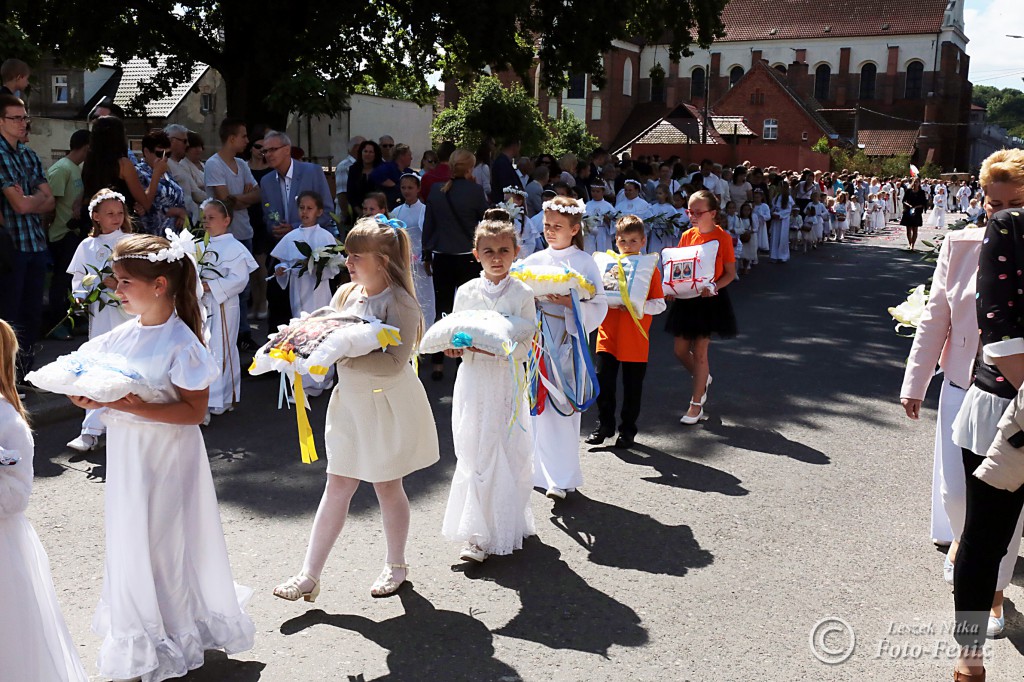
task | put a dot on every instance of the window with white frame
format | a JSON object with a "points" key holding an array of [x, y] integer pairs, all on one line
{"points": [[595, 109], [771, 129], [60, 89], [206, 104], [627, 78]]}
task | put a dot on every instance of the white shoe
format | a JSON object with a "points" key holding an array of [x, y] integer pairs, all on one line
{"points": [[707, 385], [85, 443], [996, 625], [555, 493], [690, 421], [262, 315], [947, 570], [206, 419], [218, 411], [473, 553]]}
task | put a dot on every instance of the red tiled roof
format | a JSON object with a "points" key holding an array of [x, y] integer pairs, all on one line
{"points": [[792, 19], [887, 142]]}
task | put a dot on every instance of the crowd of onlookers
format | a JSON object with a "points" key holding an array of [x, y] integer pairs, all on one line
{"points": [[258, 174]]}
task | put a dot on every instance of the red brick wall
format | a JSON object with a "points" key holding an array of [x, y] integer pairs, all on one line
{"points": [[786, 157], [757, 97]]}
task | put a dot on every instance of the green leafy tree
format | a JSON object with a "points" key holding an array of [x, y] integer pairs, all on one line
{"points": [[488, 110], [821, 146], [278, 58], [569, 135]]}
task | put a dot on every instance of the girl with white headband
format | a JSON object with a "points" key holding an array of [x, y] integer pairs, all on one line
{"points": [[515, 206], [168, 593], [92, 280], [557, 427]]}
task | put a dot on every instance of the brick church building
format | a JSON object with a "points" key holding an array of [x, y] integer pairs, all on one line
{"points": [[890, 77]]}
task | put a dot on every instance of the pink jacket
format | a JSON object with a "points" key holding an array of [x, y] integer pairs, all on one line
{"points": [[948, 333]]}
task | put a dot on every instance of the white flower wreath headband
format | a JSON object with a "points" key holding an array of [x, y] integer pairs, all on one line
{"points": [[578, 208], [104, 195], [514, 190], [181, 245]]}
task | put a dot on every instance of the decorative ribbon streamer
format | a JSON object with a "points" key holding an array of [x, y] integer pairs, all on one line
{"points": [[307, 446], [583, 389], [624, 291]]}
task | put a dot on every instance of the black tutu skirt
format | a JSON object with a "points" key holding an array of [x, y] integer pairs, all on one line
{"points": [[694, 318]]}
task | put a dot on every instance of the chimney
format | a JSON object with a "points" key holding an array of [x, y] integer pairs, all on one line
{"points": [[755, 57]]}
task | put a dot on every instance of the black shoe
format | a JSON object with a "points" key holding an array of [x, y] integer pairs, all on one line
{"points": [[624, 442], [598, 436]]}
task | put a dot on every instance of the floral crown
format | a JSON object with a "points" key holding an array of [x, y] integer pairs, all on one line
{"points": [[514, 190], [632, 181], [577, 208], [181, 245], [104, 195]]}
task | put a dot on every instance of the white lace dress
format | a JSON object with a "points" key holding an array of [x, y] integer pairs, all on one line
{"points": [[34, 640], [168, 594], [489, 502]]}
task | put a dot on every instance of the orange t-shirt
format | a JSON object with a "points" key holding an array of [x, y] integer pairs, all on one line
{"points": [[726, 254], [618, 333]]}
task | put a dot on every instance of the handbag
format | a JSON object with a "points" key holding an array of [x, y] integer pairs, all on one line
{"points": [[745, 237]]}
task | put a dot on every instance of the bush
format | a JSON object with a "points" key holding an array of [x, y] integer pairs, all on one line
{"points": [[570, 135], [489, 110], [821, 146]]}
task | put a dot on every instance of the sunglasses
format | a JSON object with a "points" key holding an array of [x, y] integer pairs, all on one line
{"points": [[257, 147], [386, 146]]}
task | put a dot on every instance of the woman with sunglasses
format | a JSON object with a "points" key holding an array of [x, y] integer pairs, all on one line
{"points": [[168, 208], [694, 320]]}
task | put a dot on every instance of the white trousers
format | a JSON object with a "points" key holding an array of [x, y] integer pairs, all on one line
{"points": [[949, 488]]}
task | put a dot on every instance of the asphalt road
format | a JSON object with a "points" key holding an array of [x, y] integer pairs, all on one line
{"points": [[704, 553]]}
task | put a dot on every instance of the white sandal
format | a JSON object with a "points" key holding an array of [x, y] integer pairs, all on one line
{"points": [[690, 421], [291, 591], [385, 585]]}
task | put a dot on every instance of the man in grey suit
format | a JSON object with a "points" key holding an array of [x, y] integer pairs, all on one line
{"points": [[289, 178], [278, 192]]}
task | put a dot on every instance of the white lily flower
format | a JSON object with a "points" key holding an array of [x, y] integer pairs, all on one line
{"points": [[90, 280], [908, 313]]}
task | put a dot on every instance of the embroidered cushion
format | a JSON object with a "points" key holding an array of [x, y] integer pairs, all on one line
{"points": [[689, 269], [485, 330], [638, 271], [548, 280], [310, 344], [103, 377]]}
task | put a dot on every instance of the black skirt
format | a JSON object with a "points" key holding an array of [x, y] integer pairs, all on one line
{"points": [[700, 317]]}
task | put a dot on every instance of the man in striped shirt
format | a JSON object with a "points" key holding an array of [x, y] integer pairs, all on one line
{"points": [[24, 257]]}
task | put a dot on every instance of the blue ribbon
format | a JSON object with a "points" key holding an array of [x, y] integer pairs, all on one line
{"points": [[462, 340], [394, 223], [75, 366]]}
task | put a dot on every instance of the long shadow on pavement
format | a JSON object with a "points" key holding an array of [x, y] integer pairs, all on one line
{"points": [[622, 538], [677, 472], [424, 643], [559, 609]]}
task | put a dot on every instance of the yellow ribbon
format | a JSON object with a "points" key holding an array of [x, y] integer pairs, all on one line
{"points": [[388, 337], [624, 291], [307, 445]]}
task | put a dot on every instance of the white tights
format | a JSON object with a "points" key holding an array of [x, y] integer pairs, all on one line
{"points": [[333, 510]]}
